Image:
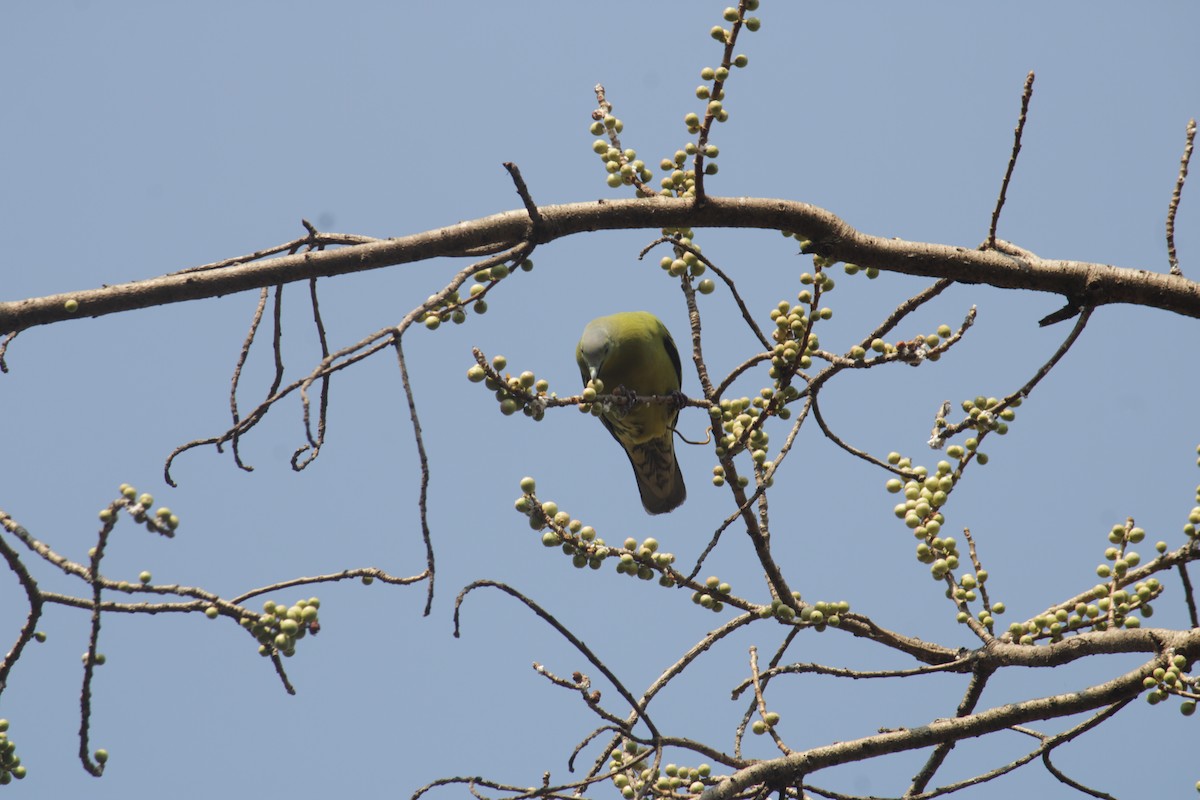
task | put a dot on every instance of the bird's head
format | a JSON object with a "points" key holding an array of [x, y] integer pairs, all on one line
{"points": [[594, 348]]}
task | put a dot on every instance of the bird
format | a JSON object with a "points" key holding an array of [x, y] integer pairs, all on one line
{"points": [[634, 351]]}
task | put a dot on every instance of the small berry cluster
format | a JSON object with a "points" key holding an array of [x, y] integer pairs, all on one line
{"points": [[686, 259], [641, 560], [524, 392], [162, 521], [924, 497], [798, 321], [1191, 529], [10, 762], [622, 165], [681, 180], [818, 615], [853, 269], [144, 578], [984, 415], [1122, 558], [910, 351], [590, 399], [99, 660], [711, 597], [645, 560], [624, 168], [794, 339], [742, 426], [1173, 680], [1107, 605], [1107, 609], [279, 627], [633, 776], [593, 400], [742, 420], [453, 307], [766, 722]]}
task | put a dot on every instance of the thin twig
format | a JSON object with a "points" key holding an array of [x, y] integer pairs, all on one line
{"points": [[777, 771], [893, 319], [978, 565], [1084, 315], [346, 357], [1189, 595], [423, 496], [737, 297], [760, 703], [601, 113], [851, 449], [1173, 206], [759, 681], [1048, 744], [660, 683], [1026, 94], [563, 631], [910, 305], [1076, 785], [32, 593], [842, 672], [93, 768], [1025, 390], [535, 218], [323, 409], [737, 371], [244, 354], [4, 350], [938, 757], [314, 240], [717, 91], [694, 326]]}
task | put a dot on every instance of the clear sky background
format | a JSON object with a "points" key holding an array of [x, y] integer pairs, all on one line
{"points": [[141, 138]]}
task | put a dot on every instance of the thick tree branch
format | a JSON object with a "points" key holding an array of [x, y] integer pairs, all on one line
{"points": [[1085, 283], [785, 771]]}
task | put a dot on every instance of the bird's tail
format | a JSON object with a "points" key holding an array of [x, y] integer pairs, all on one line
{"points": [[658, 477]]}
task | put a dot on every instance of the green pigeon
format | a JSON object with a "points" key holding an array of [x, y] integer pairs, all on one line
{"points": [[634, 351]]}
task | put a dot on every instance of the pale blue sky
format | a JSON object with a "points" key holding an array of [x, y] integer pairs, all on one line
{"points": [[143, 138]]}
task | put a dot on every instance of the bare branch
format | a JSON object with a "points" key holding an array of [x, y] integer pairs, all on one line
{"points": [[314, 444], [1189, 595], [1026, 95], [32, 594], [715, 113], [1173, 206], [1028, 387], [423, 497], [563, 631], [969, 702], [535, 219], [737, 297], [1091, 284], [785, 770]]}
